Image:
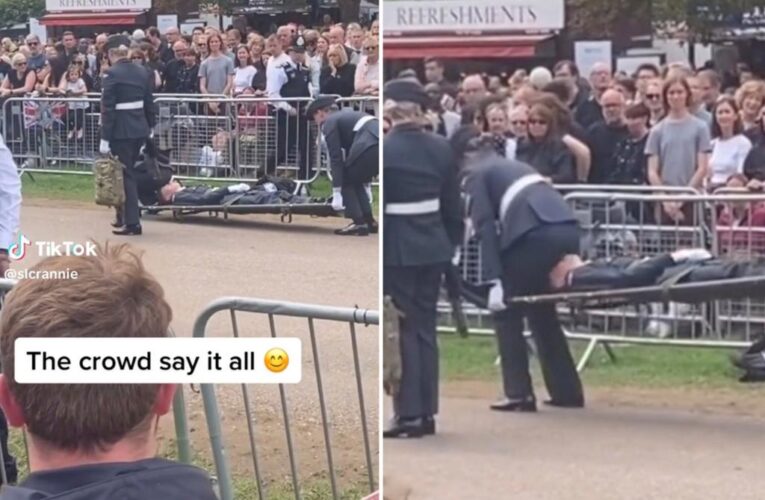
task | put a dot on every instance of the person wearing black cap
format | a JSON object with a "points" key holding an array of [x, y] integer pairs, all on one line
{"points": [[293, 80], [352, 140], [423, 227], [127, 120], [524, 228]]}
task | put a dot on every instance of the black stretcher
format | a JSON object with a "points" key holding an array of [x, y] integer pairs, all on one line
{"points": [[691, 293], [286, 210]]}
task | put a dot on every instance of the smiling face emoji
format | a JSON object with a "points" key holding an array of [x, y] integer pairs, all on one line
{"points": [[277, 360]]}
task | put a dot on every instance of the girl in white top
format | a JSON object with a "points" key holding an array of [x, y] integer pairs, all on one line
{"points": [[244, 71], [729, 145], [74, 86]]}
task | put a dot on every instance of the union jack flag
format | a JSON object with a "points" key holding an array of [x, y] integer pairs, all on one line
{"points": [[44, 114]]}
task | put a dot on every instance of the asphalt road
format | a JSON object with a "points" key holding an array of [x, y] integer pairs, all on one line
{"points": [[202, 259], [602, 452]]}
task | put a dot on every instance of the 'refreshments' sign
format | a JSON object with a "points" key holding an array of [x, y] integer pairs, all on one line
{"points": [[96, 5], [422, 16]]}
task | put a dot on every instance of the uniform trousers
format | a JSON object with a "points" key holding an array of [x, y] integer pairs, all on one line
{"points": [[291, 131], [526, 267], [358, 206], [128, 150], [414, 290]]}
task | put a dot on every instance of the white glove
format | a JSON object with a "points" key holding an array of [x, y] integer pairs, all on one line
{"points": [[239, 188], [368, 189], [151, 134], [496, 297], [337, 199], [103, 148], [691, 255], [457, 257]]}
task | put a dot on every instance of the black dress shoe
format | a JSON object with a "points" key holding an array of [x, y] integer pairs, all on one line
{"points": [[428, 426], [565, 404], [353, 229], [374, 228], [526, 405], [116, 223], [128, 231], [404, 427]]}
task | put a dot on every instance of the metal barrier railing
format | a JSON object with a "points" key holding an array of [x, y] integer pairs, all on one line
{"points": [[209, 136], [638, 221], [311, 313]]}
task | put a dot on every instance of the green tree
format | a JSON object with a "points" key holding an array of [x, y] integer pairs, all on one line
{"points": [[600, 19], [19, 11], [698, 18]]}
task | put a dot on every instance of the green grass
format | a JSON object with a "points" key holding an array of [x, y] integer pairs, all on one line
{"points": [[636, 366], [80, 187]]}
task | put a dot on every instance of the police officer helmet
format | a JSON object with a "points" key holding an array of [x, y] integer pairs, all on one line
{"points": [[298, 46], [116, 41]]}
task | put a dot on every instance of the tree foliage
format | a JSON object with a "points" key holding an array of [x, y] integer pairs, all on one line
{"points": [[698, 19], [19, 11]]}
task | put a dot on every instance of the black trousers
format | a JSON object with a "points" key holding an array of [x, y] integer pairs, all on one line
{"points": [[127, 151], [358, 206], [414, 290], [291, 131], [526, 267]]}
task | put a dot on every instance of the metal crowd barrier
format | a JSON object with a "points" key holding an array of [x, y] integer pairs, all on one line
{"points": [[633, 221], [329, 424], [209, 136]]}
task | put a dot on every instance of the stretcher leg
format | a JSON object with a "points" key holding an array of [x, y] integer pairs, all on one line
{"points": [[587, 354], [610, 352]]}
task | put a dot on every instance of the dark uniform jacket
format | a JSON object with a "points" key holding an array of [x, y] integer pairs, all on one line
{"points": [[537, 205], [551, 158], [345, 145], [420, 166], [126, 82], [149, 479]]}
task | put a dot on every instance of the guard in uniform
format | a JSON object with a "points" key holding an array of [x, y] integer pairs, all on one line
{"points": [[524, 227], [127, 120], [352, 140], [423, 227], [292, 126]]}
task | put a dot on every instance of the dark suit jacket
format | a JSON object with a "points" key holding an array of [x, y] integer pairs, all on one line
{"points": [[126, 82], [420, 166], [537, 205], [343, 144]]}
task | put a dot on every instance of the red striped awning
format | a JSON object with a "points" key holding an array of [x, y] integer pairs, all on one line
{"points": [[91, 19], [463, 47]]}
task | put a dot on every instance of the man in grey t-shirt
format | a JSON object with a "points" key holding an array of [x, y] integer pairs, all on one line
{"points": [[678, 144], [216, 71]]}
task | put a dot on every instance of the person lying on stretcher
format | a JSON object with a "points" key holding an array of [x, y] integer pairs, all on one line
{"points": [[174, 193], [686, 266]]}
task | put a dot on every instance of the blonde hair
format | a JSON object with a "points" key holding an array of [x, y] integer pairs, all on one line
{"points": [[17, 58], [403, 111], [752, 88], [338, 49]]}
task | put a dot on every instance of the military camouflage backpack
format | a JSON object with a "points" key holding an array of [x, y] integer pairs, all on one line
{"points": [[109, 182]]}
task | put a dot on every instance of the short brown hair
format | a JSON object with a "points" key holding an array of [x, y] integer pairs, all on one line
{"points": [[638, 110], [676, 80], [113, 296]]}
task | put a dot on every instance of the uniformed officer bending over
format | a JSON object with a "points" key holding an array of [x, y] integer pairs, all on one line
{"points": [[525, 228], [352, 139], [127, 120], [292, 79], [423, 227]]}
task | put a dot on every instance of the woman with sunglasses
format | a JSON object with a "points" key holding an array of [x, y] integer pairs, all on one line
{"points": [[653, 101], [544, 148], [21, 80]]}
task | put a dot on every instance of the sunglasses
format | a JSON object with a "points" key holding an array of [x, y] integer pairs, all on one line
{"points": [[21, 64], [33, 44], [137, 58], [653, 96]]}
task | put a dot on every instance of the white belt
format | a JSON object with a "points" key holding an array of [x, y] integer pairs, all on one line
{"points": [[515, 189], [129, 105], [362, 121], [414, 208]]}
